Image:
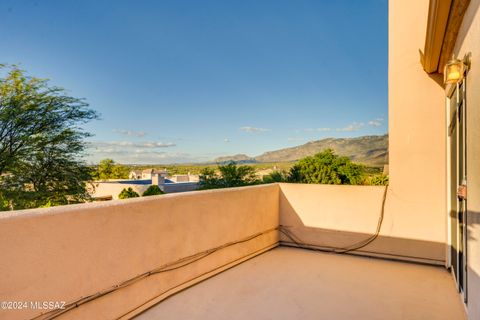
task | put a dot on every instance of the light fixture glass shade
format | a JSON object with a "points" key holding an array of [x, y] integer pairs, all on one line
{"points": [[453, 72]]}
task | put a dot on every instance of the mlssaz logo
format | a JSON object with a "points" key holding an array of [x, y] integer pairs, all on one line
{"points": [[47, 305]]}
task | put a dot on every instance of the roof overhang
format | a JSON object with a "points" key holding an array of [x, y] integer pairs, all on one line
{"points": [[444, 20]]}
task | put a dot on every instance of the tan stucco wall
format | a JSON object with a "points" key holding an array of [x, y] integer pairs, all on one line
{"points": [[469, 41], [415, 220], [328, 216], [340, 208], [416, 206], [103, 189], [64, 253]]}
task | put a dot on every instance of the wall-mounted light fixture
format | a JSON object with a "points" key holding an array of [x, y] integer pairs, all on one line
{"points": [[453, 72], [455, 69]]}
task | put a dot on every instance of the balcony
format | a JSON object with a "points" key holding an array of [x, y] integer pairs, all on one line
{"points": [[287, 283], [148, 257]]}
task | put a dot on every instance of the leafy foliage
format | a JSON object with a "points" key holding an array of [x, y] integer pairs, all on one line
{"points": [[275, 176], [197, 168], [41, 143], [229, 175], [108, 169], [153, 190], [208, 179], [128, 193], [326, 168], [4, 202], [379, 180]]}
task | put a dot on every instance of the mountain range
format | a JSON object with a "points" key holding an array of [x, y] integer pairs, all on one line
{"points": [[368, 150]]}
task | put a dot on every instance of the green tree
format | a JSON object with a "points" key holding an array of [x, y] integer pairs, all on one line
{"points": [[128, 193], [379, 180], [108, 169], [229, 175], [275, 176], [41, 142], [326, 168], [153, 190], [4, 202], [209, 179]]}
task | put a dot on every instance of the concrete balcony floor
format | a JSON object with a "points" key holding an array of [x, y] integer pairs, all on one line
{"points": [[288, 283]]}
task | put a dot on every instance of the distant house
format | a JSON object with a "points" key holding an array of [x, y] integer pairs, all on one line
{"points": [[261, 173], [140, 180], [148, 173], [184, 178], [135, 175]]}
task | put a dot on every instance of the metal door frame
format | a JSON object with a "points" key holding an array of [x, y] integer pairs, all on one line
{"points": [[455, 105]]}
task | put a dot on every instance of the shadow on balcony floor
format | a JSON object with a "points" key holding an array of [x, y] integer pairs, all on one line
{"points": [[287, 283]]}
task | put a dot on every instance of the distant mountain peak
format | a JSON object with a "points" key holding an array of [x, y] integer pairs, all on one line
{"points": [[239, 158], [369, 150]]}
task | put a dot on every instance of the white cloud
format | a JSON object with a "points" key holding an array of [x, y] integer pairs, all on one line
{"points": [[147, 157], [354, 126], [130, 144], [376, 122], [295, 139], [254, 130], [226, 140], [157, 144], [318, 129], [139, 134], [149, 152]]}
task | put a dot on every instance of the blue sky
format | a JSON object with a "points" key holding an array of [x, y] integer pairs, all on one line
{"points": [[187, 81]]}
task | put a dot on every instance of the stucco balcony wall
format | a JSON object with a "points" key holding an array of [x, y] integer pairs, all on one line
{"points": [[337, 216], [65, 253], [72, 252]]}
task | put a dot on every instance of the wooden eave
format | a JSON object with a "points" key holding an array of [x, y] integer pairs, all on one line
{"points": [[444, 20]]}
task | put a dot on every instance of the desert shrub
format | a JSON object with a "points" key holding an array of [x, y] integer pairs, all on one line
{"points": [[379, 180], [128, 193], [228, 176], [275, 176], [326, 168], [153, 190]]}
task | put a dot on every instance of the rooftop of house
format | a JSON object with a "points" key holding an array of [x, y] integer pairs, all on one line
{"points": [[140, 181], [151, 170]]}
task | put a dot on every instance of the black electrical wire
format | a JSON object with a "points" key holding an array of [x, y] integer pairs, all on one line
{"points": [[183, 262], [196, 277], [355, 246], [180, 263]]}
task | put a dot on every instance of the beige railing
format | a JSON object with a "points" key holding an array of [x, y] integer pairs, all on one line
{"points": [[114, 259]]}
